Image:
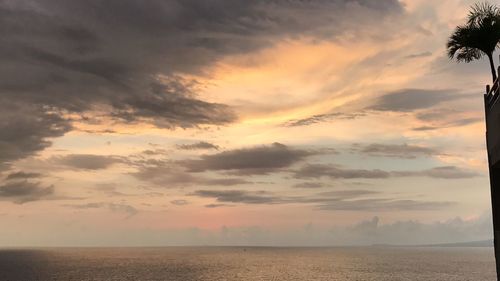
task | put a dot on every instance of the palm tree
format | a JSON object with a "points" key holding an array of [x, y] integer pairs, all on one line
{"points": [[479, 36]]}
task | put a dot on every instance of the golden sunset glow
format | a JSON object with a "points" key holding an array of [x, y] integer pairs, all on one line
{"points": [[314, 118]]}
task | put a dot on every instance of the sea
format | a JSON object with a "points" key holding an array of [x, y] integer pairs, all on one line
{"points": [[248, 263]]}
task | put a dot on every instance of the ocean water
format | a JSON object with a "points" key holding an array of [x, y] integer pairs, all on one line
{"points": [[253, 263]]}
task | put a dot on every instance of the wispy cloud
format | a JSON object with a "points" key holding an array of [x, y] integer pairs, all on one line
{"points": [[323, 170], [22, 191], [346, 200], [114, 207], [395, 150], [198, 145], [407, 100]]}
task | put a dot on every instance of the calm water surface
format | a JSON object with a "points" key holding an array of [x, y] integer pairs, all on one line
{"points": [[237, 263]]}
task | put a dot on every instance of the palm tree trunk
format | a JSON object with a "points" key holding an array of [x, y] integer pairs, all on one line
{"points": [[492, 65]]}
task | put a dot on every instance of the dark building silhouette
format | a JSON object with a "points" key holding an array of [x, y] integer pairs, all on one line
{"points": [[492, 116]]}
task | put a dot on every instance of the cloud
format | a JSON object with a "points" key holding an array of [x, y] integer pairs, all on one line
{"points": [[238, 196], [86, 161], [444, 172], [179, 202], [344, 200], [211, 206], [323, 170], [407, 100], [170, 175], [378, 229], [198, 145], [27, 129], [384, 205], [22, 191], [438, 118], [395, 150], [308, 185], [319, 118], [412, 232], [455, 123], [436, 114], [111, 190], [255, 160], [22, 175], [75, 57], [348, 193], [114, 207], [418, 55], [222, 181], [130, 65]]}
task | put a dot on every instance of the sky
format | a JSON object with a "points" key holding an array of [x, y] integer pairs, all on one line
{"points": [[222, 122]]}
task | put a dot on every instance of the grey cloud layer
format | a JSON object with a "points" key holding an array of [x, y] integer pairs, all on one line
{"points": [[114, 207], [395, 150], [123, 58], [346, 200], [443, 118], [319, 118], [198, 145], [86, 161], [406, 100], [168, 174], [322, 170], [26, 129], [22, 191], [444, 172], [255, 160], [22, 175], [151, 166]]}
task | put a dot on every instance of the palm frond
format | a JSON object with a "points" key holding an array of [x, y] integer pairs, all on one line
{"points": [[481, 11], [469, 54], [479, 36]]}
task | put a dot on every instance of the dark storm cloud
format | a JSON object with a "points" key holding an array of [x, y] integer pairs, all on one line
{"points": [[309, 171], [26, 129], [125, 58], [86, 161], [346, 200], [255, 160], [22, 191], [198, 145], [395, 150], [407, 100]]}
